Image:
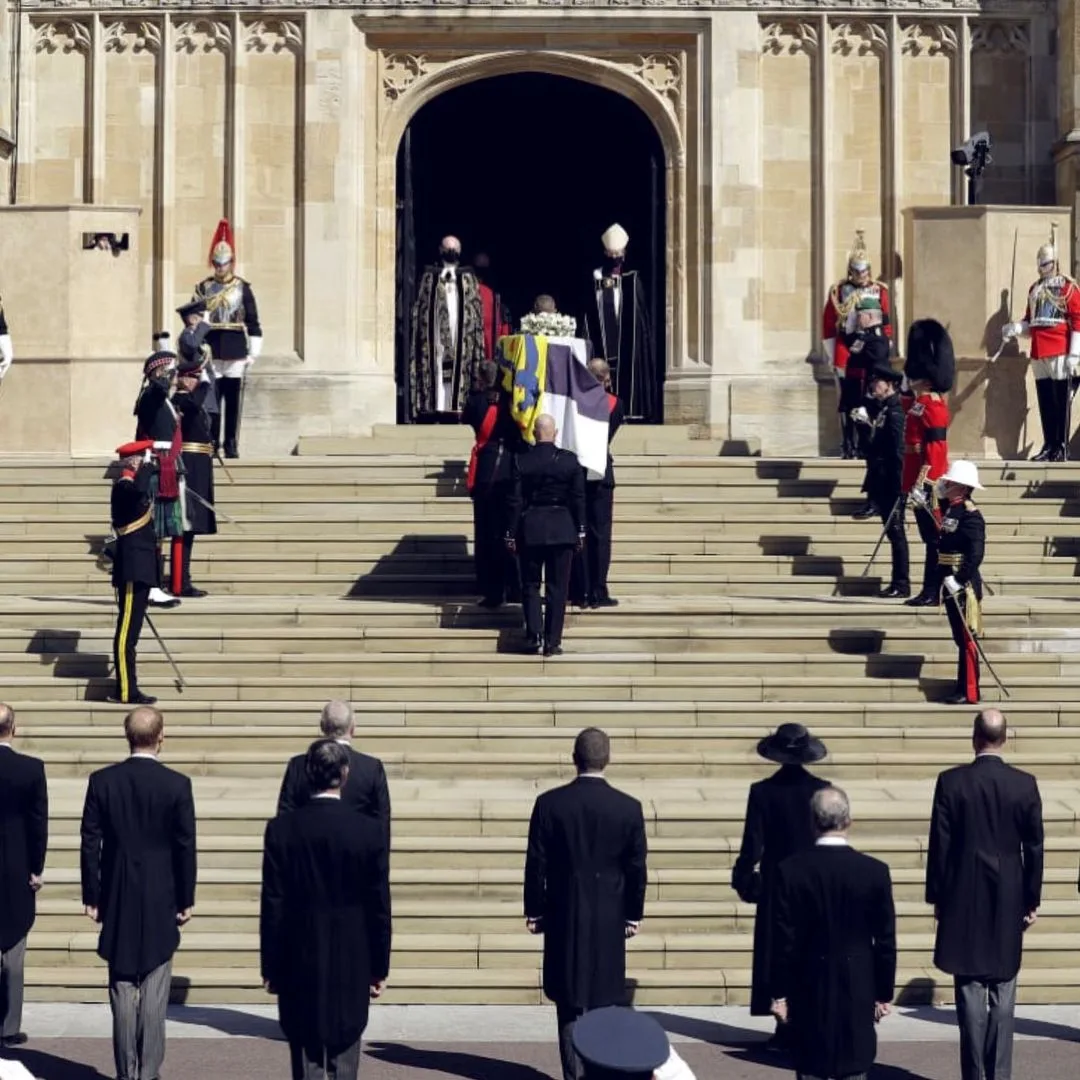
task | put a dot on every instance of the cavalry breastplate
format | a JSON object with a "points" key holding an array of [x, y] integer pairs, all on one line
{"points": [[224, 302], [1048, 300]]}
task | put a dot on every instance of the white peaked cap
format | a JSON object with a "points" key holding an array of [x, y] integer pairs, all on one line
{"points": [[14, 1070], [964, 472], [615, 239]]}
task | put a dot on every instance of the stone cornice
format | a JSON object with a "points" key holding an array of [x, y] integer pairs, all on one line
{"points": [[1001, 8]]}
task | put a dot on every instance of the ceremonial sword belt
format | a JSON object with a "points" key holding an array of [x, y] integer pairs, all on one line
{"points": [[197, 448], [137, 524], [952, 561]]}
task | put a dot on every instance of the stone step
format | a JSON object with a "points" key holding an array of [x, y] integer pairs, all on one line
{"points": [[514, 986]]}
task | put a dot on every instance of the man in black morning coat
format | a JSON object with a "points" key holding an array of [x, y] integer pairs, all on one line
{"points": [[547, 511], [778, 824], [138, 882], [835, 968], [585, 879], [367, 790], [984, 873], [24, 836], [325, 920]]}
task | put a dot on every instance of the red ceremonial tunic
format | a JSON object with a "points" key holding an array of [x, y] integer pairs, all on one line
{"points": [[1053, 315], [926, 430], [494, 325], [839, 317]]}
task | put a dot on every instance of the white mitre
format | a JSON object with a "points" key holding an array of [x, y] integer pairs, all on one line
{"points": [[615, 239]]}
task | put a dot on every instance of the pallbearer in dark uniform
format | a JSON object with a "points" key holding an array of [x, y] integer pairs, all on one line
{"points": [[490, 480], [778, 824], [930, 366], [135, 562], [235, 337], [158, 420], [884, 468], [547, 513], [195, 391], [960, 554], [589, 575], [617, 323]]}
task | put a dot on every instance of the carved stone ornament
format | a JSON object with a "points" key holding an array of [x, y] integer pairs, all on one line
{"points": [[1013, 8], [1000, 37], [791, 38], [860, 39], [138, 36], [204, 35], [63, 35], [273, 35], [929, 39], [400, 71], [663, 74]]}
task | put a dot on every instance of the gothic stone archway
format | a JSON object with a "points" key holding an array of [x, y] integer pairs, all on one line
{"points": [[409, 76]]}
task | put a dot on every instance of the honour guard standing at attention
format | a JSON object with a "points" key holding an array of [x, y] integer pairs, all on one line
{"points": [[135, 565], [235, 336], [194, 393], [1053, 321], [841, 322], [157, 420], [7, 353], [931, 369], [960, 554]]}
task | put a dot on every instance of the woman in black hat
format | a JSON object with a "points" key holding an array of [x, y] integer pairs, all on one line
{"points": [[778, 824]]}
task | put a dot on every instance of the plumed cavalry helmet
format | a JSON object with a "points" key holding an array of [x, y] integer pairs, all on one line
{"points": [[930, 355], [222, 247], [858, 257]]}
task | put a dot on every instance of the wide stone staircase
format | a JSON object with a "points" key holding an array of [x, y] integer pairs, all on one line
{"points": [[346, 573]]}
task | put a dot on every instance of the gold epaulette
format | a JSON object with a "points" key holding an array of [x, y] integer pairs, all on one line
{"points": [[970, 506]]}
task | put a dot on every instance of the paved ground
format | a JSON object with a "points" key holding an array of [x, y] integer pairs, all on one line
{"points": [[515, 1044]]}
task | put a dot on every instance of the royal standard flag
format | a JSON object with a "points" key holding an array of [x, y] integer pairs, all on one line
{"points": [[551, 375]]}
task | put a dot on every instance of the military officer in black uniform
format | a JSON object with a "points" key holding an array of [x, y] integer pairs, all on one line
{"points": [[884, 465], [547, 513], [134, 562], [961, 544], [194, 395]]}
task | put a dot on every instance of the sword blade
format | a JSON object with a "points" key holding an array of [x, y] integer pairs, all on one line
{"points": [[978, 646], [165, 650]]}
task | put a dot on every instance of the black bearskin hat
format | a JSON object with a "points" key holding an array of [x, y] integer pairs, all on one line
{"points": [[930, 355]]}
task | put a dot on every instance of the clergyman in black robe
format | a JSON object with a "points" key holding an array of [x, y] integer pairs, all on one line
{"points": [[447, 336], [617, 324]]}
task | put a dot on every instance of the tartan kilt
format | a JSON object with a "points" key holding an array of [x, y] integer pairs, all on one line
{"points": [[168, 513]]}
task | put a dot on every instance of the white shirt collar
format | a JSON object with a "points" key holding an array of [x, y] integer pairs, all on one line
{"points": [[328, 795], [145, 754], [988, 753], [591, 776], [343, 742], [7, 744], [831, 840]]}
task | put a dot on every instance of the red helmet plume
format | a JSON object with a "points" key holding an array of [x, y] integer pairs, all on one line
{"points": [[223, 246]]}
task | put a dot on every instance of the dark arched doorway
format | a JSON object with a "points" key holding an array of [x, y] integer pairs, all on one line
{"points": [[530, 169]]}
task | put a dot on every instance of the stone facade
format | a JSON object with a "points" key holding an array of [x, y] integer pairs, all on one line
{"points": [[784, 128]]}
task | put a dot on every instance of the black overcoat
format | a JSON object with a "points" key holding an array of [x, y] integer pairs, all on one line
{"points": [[984, 866], [885, 454], [778, 824], [24, 836], [585, 878], [325, 920], [547, 503], [138, 861], [835, 956], [197, 429]]}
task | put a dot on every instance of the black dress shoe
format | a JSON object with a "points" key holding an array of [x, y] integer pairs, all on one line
{"points": [[922, 600], [553, 650], [1058, 454], [232, 450], [606, 601], [1044, 454], [895, 592], [959, 699], [491, 602], [865, 512], [191, 593], [532, 646], [18, 1039], [138, 698]]}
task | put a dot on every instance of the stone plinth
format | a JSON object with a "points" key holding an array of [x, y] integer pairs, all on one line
{"points": [[961, 272], [75, 321]]}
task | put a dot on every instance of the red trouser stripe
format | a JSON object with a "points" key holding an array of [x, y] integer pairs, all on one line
{"points": [[971, 670], [176, 566]]}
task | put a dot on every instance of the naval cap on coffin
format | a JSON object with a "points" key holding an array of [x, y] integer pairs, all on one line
{"points": [[930, 355], [617, 1043], [615, 239]]}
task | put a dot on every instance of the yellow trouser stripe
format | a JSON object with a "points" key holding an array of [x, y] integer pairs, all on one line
{"points": [[126, 604]]}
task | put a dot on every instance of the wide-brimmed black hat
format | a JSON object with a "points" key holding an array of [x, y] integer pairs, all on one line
{"points": [[791, 744]]}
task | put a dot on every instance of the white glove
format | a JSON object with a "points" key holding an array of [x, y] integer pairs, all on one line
{"points": [[7, 354], [254, 348], [918, 497], [148, 456], [1072, 365], [162, 444], [1012, 330], [951, 585], [860, 415]]}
